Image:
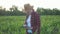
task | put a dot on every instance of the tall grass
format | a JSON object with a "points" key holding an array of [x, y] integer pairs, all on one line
{"points": [[12, 24]]}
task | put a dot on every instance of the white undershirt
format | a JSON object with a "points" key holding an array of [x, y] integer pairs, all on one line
{"points": [[29, 23]]}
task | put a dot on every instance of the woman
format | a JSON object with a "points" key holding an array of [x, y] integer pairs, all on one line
{"points": [[32, 23]]}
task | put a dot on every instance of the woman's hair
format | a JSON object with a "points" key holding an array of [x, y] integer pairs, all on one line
{"points": [[28, 6]]}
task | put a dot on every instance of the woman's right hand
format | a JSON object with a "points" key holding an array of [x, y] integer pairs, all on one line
{"points": [[24, 25]]}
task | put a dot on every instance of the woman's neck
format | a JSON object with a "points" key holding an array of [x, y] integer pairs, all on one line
{"points": [[29, 13]]}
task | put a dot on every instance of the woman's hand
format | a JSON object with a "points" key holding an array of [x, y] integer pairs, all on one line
{"points": [[29, 27], [24, 25]]}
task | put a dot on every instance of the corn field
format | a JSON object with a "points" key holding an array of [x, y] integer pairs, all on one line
{"points": [[50, 24]]}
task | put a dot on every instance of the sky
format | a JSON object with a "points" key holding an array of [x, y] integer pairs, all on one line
{"points": [[36, 3]]}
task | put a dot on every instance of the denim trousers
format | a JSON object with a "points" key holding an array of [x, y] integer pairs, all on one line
{"points": [[29, 33]]}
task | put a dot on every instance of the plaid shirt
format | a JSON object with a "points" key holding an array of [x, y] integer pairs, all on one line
{"points": [[35, 22]]}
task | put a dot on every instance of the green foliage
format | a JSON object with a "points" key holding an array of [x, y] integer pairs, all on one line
{"points": [[12, 24], [43, 11], [50, 24], [13, 11]]}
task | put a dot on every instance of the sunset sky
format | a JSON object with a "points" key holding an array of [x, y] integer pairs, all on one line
{"points": [[36, 3]]}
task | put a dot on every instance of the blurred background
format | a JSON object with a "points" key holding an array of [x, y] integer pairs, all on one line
{"points": [[12, 18]]}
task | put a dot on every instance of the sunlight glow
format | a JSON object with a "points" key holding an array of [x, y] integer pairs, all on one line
{"points": [[36, 3]]}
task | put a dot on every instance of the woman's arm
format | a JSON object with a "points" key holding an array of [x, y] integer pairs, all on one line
{"points": [[37, 20]]}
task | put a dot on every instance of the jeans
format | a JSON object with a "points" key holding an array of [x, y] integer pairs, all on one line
{"points": [[29, 33]]}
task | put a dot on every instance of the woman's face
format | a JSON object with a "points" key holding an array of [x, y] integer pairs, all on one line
{"points": [[27, 10]]}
